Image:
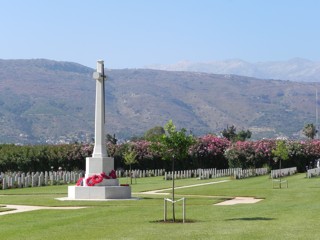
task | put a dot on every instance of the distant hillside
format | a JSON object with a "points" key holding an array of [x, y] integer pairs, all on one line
{"points": [[44, 100], [297, 69]]}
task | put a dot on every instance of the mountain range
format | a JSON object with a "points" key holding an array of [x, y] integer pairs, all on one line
{"points": [[49, 101], [296, 69]]}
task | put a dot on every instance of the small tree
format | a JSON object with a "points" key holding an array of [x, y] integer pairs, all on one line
{"points": [[129, 157], [310, 130], [173, 145], [280, 153]]}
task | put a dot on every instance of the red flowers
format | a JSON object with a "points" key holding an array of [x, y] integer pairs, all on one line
{"points": [[95, 179], [112, 175], [80, 182]]}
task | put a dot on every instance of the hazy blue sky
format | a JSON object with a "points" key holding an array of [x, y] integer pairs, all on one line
{"points": [[136, 33]]}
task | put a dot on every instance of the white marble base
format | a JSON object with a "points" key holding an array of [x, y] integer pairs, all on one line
{"points": [[108, 182], [96, 165], [99, 192], [107, 189]]}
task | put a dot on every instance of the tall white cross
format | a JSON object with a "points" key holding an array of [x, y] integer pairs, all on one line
{"points": [[100, 149], [99, 162]]}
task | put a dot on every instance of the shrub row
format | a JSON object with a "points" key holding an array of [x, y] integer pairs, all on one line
{"points": [[208, 151]]}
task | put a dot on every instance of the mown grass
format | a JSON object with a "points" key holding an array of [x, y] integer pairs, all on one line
{"points": [[288, 213]]}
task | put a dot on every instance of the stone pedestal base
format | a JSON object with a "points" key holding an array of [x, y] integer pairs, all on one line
{"points": [[99, 192], [98, 165], [107, 189], [108, 182]]}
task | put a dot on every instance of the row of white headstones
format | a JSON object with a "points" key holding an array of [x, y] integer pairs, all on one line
{"points": [[36, 179]]}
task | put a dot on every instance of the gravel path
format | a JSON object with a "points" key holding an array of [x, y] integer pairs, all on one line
{"points": [[188, 186]]}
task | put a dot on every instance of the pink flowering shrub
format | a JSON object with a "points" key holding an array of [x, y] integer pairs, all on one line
{"points": [[147, 159], [240, 154], [263, 152], [250, 153], [304, 153], [298, 153], [111, 149], [312, 148], [208, 152], [259, 153], [143, 150]]}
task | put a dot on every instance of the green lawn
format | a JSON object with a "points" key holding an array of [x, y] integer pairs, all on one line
{"points": [[291, 213]]}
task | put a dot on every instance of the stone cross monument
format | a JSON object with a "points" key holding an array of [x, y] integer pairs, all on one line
{"points": [[99, 162], [100, 181], [99, 146]]}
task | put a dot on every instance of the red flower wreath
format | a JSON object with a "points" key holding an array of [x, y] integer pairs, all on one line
{"points": [[90, 182], [112, 175], [80, 182], [94, 179]]}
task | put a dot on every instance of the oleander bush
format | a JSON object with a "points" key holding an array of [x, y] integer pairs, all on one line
{"points": [[208, 151]]}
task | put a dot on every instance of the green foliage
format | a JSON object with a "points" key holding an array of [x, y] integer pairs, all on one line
{"points": [[130, 156], [231, 134], [281, 152], [43, 157], [112, 139], [154, 133], [208, 151], [243, 135], [310, 130], [174, 144]]}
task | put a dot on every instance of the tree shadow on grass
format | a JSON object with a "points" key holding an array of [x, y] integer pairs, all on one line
{"points": [[4, 209], [251, 219]]}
